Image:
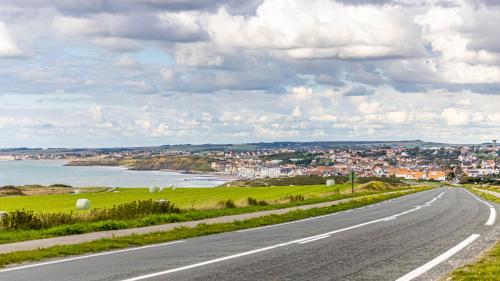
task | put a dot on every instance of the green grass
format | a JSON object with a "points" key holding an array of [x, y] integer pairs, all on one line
{"points": [[9, 236], [198, 198], [183, 233], [485, 195], [487, 268]]}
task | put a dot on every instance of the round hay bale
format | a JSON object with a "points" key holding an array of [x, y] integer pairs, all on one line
{"points": [[162, 201], [82, 204], [77, 191], [3, 214], [153, 189], [173, 187], [330, 182]]}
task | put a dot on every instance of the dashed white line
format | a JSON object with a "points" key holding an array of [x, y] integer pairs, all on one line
{"points": [[313, 239], [437, 260], [90, 256]]}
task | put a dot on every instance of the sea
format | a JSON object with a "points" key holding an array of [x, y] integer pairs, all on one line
{"points": [[47, 172]]}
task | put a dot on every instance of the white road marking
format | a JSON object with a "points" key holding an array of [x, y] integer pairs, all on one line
{"points": [[90, 256], [286, 223], [299, 241], [439, 259], [493, 211], [313, 239]]}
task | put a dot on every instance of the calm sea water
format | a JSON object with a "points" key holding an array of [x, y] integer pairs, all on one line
{"points": [[52, 172]]}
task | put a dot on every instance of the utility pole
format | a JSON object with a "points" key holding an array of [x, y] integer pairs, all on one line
{"points": [[352, 177]]}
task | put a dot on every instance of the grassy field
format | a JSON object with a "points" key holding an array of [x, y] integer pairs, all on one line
{"points": [[198, 198]]}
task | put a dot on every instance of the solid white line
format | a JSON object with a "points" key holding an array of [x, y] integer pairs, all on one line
{"points": [[492, 217], [90, 256], [299, 241], [493, 211], [439, 259]]}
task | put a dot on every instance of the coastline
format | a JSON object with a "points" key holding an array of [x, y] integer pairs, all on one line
{"points": [[47, 172]]}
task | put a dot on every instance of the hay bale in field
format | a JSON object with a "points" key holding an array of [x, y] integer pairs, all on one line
{"points": [[76, 191], [162, 201], [330, 182], [173, 187], [3, 214], [162, 188], [153, 189], [112, 189], [83, 204]]}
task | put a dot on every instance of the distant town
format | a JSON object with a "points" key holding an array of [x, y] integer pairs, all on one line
{"points": [[410, 160]]}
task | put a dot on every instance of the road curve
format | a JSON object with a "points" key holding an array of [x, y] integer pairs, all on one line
{"points": [[407, 238]]}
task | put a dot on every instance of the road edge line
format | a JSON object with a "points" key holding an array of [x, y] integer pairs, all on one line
{"points": [[439, 259]]}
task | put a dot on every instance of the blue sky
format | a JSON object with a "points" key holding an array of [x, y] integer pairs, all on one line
{"points": [[147, 72]]}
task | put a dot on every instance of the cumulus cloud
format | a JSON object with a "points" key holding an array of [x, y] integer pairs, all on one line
{"points": [[308, 29], [454, 117], [8, 48]]}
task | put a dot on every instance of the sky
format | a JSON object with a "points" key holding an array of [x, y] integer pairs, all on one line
{"points": [[102, 73]]}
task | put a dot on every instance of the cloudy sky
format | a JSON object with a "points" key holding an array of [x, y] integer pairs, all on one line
{"points": [[145, 72]]}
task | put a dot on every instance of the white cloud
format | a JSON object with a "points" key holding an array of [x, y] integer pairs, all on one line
{"points": [[8, 48], [368, 107], [128, 62], [319, 29], [297, 112], [398, 117], [302, 92], [454, 117]]}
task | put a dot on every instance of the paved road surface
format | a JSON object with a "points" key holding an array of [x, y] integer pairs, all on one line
{"points": [[398, 239]]}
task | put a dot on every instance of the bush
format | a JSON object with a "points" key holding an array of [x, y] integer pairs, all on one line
{"points": [[294, 198], [227, 204], [254, 202], [10, 190], [21, 219]]}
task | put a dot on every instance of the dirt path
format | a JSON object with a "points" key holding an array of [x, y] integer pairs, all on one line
{"points": [[490, 192]]}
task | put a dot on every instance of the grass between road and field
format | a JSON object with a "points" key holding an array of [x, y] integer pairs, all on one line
{"points": [[10, 236], [488, 266], [184, 233]]}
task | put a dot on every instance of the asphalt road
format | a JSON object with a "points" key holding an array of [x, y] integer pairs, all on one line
{"points": [[410, 237]]}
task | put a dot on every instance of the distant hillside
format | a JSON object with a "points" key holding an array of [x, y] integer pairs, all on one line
{"points": [[178, 163], [229, 147]]}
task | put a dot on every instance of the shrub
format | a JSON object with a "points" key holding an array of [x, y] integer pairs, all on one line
{"points": [[294, 198], [21, 219], [254, 202], [227, 204], [10, 190]]}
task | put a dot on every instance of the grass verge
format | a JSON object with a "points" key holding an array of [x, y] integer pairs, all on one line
{"points": [[488, 266], [184, 233]]}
